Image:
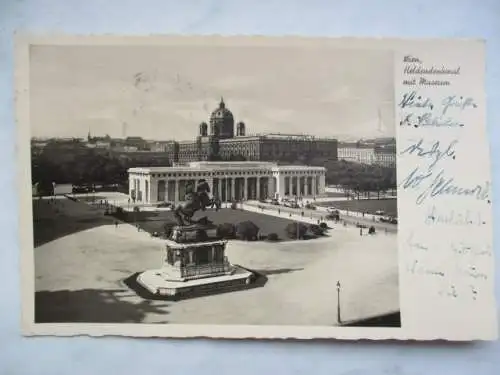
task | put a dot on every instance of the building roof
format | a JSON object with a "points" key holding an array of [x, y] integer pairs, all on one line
{"points": [[207, 166], [356, 145], [221, 112]]}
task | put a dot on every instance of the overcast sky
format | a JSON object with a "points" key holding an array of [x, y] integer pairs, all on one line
{"points": [[164, 92]]}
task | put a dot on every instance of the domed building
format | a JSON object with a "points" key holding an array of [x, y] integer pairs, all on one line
{"points": [[222, 122], [222, 144]]}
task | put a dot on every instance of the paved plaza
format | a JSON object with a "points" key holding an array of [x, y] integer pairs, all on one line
{"points": [[80, 276]]}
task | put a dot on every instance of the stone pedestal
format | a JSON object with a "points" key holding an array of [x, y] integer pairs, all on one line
{"points": [[194, 262]]}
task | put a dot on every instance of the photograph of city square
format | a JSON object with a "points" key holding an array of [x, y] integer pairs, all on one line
{"points": [[214, 185]]}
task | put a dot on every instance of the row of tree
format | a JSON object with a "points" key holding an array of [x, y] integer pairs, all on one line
{"points": [[76, 164], [359, 179], [81, 165]]}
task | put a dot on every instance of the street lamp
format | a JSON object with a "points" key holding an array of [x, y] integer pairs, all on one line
{"points": [[338, 303]]}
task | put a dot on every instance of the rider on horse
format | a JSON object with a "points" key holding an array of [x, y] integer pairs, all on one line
{"points": [[202, 191], [197, 198]]}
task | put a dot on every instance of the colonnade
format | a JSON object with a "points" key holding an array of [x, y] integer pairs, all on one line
{"points": [[226, 189], [145, 187]]}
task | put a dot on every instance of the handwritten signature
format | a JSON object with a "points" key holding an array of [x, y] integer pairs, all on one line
{"points": [[413, 99], [433, 152], [414, 244], [458, 102], [428, 119], [466, 249], [441, 185], [434, 216]]}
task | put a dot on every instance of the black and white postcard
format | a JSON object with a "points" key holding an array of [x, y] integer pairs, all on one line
{"points": [[254, 187]]}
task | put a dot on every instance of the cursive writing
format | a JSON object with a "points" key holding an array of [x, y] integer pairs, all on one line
{"points": [[453, 217], [415, 245], [434, 152], [419, 269], [458, 102], [466, 249], [415, 178], [474, 273], [442, 185], [413, 100], [430, 120]]}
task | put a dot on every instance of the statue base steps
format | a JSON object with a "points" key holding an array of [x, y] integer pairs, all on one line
{"points": [[159, 283]]}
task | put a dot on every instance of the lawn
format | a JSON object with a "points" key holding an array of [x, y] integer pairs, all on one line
{"points": [[154, 221], [389, 206], [334, 194]]}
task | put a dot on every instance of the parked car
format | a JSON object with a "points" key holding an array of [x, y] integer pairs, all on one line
{"points": [[291, 204], [379, 212], [310, 206], [79, 189], [389, 219], [165, 205], [275, 202]]}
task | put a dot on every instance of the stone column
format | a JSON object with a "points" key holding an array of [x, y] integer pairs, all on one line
{"points": [[140, 189], [322, 183], [176, 193], [219, 188], [245, 188], [153, 190], [233, 180], [167, 197], [270, 187], [290, 186], [130, 185], [210, 181], [281, 186], [313, 185]]}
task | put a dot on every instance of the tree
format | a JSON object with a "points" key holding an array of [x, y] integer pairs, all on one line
{"points": [[247, 230], [296, 230], [273, 237], [359, 179], [226, 231], [316, 230]]}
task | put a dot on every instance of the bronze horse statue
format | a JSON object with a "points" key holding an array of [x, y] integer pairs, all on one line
{"points": [[196, 200]]}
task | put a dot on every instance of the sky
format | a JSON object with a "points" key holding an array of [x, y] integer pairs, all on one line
{"points": [[164, 92]]}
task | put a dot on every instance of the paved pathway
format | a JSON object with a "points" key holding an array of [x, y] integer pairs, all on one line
{"points": [[350, 217], [80, 276]]}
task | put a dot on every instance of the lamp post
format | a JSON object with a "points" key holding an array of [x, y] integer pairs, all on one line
{"points": [[338, 303]]}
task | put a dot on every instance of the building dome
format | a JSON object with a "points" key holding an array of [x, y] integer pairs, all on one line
{"points": [[222, 122], [203, 129], [240, 129]]}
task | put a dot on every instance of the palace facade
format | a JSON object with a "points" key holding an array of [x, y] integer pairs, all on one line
{"points": [[228, 181], [368, 153], [218, 140]]}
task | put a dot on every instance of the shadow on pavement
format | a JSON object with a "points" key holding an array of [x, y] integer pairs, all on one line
{"points": [[62, 217], [278, 271], [91, 306], [259, 281], [388, 320]]}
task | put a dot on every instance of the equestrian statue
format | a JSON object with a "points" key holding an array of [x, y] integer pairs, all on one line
{"points": [[197, 198]]}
